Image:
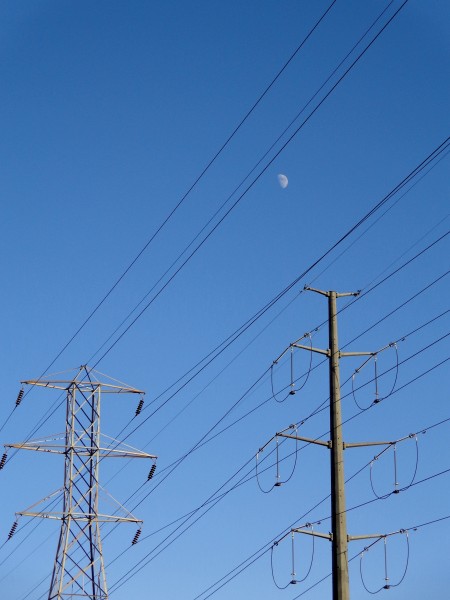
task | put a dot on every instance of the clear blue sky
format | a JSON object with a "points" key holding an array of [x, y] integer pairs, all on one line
{"points": [[110, 111]]}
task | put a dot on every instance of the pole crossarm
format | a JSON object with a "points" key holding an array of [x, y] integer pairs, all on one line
{"points": [[306, 439], [389, 443], [364, 444], [318, 350], [343, 354], [327, 352], [327, 536], [81, 450], [372, 536]]}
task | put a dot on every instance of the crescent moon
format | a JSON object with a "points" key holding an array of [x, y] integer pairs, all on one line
{"points": [[283, 181]]}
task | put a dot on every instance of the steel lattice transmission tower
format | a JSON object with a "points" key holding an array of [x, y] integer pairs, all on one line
{"points": [[79, 570]]}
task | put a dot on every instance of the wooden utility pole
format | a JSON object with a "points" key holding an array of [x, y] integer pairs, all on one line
{"points": [[338, 536], [339, 539], [338, 513]]}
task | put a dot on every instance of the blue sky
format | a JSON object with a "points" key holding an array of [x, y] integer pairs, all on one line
{"points": [[110, 112]]}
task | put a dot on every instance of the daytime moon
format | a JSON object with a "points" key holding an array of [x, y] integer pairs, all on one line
{"points": [[283, 181]]}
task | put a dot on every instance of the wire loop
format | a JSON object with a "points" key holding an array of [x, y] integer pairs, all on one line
{"points": [[293, 579], [278, 481], [274, 395], [396, 489], [264, 491], [386, 585], [292, 389], [377, 398], [306, 376]]}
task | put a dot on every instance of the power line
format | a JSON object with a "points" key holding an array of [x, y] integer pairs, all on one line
{"points": [[420, 253], [228, 199], [254, 181], [142, 422], [312, 414], [148, 558], [204, 441], [266, 547], [316, 411], [270, 304], [437, 152], [243, 480], [417, 255], [191, 188]]}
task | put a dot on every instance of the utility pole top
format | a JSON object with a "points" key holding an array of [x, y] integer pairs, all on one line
{"points": [[329, 293]]}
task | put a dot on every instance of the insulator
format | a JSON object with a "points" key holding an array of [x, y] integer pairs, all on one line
{"points": [[3, 460], [12, 530], [136, 537], [19, 397], [139, 407], [152, 472]]}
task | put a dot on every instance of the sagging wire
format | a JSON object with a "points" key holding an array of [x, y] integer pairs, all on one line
{"points": [[374, 357], [278, 481], [291, 349], [386, 585], [396, 489], [293, 579]]}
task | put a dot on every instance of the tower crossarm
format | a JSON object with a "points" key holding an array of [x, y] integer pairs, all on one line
{"points": [[81, 450], [79, 516], [87, 386]]}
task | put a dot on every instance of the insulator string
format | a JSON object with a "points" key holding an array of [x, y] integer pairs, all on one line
{"points": [[395, 470], [294, 465], [277, 477], [310, 364]]}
